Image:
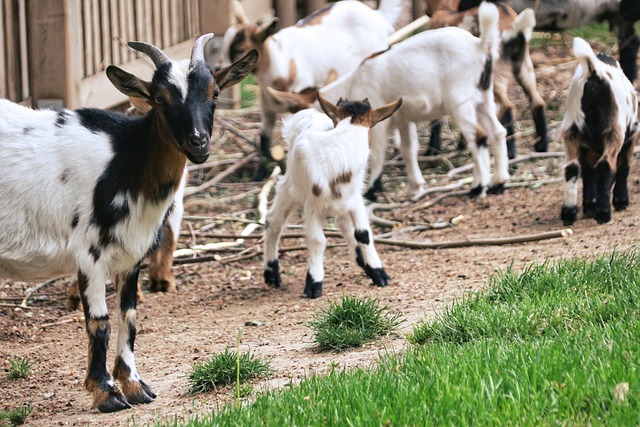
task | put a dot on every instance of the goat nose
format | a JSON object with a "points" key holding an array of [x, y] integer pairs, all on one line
{"points": [[197, 138]]}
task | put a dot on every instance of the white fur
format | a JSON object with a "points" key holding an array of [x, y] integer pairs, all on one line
{"points": [[436, 73]]}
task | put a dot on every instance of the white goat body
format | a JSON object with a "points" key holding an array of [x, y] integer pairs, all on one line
{"points": [[599, 130]]}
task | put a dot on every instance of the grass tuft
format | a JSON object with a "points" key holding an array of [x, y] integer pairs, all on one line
{"points": [[15, 417], [352, 322], [224, 369], [19, 367]]}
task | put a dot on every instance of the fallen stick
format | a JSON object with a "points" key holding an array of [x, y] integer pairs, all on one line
{"points": [[35, 288], [477, 242], [189, 191], [264, 194], [62, 322], [530, 156]]}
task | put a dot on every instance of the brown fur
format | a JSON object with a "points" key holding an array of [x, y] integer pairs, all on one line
{"points": [[161, 261], [316, 190], [334, 186]]}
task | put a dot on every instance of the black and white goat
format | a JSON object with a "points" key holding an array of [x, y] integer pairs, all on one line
{"points": [[314, 52], [434, 78], [515, 59], [325, 173], [600, 129], [86, 192]]}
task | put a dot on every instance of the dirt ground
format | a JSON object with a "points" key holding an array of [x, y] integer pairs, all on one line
{"points": [[215, 300]]}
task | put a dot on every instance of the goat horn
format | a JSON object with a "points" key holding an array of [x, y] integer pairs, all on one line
{"points": [[197, 53], [157, 56]]}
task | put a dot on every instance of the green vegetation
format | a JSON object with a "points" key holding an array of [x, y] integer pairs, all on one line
{"points": [[225, 369], [556, 344], [19, 367], [248, 91], [14, 417], [351, 323]]}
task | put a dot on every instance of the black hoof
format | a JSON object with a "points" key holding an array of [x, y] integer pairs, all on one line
{"points": [[589, 210], [620, 204], [262, 173], [541, 146], [371, 195], [114, 402], [312, 289], [475, 191], [603, 216], [496, 189], [378, 275], [462, 144], [569, 214], [511, 149], [161, 286], [272, 274]]}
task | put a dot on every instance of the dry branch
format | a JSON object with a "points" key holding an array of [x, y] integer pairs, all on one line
{"points": [[419, 24], [189, 191], [477, 242], [469, 166]]}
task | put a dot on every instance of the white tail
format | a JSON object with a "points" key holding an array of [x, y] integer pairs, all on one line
{"points": [[488, 17], [524, 23]]}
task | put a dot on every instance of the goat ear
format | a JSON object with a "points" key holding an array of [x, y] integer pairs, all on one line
{"points": [[295, 101], [140, 104], [384, 112], [129, 84], [333, 111], [236, 72], [266, 30]]}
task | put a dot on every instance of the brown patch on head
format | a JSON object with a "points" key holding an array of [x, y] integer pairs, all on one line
{"points": [[315, 17], [163, 96], [316, 190], [331, 77], [213, 90], [334, 186]]}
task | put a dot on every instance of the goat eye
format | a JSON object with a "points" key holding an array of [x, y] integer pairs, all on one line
{"points": [[158, 101], [216, 94]]}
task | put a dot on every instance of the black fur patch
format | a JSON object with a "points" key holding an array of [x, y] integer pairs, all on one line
{"points": [[482, 141], [272, 274], [514, 50], [597, 104], [95, 253], [360, 258], [572, 171], [312, 289], [604, 180], [236, 48], [485, 77], [540, 121], [435, 140], [362, 236], [606, 59], [75, 219], [629, 43], [355, 108], [61, 118]]}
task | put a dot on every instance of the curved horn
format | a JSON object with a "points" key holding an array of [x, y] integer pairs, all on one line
{"points": [[197, 53], [239, 13], [157, 56]]}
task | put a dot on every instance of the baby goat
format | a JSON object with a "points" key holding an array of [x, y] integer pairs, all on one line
{"points": [[314, 52], [599, 131], [439, 72], [86, 192], [325, 174], [516, 30]]}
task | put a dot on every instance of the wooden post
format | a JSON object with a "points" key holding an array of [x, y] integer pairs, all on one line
{"points": [[215, 16], [313, 5], [286, 11]]}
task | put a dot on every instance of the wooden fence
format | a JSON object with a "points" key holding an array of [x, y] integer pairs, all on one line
{"points": [[14, 71]]}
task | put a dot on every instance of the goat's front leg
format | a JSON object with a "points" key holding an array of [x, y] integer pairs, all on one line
{"points": [[367, 257], [409, 150], [376, 160], [466, 118], [124, 369], [497, 136], [106, 396], [526, 77], [317, 242]]}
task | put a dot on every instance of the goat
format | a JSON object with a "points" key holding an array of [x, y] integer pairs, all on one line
{"points": [[325, 173], [86, 191], [514, 59], [599, 130], [314, 52], [434, 78], [560, 15]]}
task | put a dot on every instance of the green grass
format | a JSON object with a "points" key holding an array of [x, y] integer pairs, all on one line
{"points": [[15, 417], [351, 323], [248, 91], [225, 369], [548, 346], [19, 367]]}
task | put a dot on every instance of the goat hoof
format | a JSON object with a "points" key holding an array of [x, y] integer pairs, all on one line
{"points": [[272, 274], [569, 214], [112, 401], [496, 189], [589, 210], [511, 149], [477, 191], [541, 146], [379, 276], [137, 392], [603, 216], [620, 204], [162, 285], [371, 195], [312, 288]]}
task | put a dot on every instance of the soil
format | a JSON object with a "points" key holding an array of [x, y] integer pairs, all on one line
{"points": [[215, 301]]}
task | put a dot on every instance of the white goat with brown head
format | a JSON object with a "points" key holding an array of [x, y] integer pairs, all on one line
{"points": [[325, 174]]}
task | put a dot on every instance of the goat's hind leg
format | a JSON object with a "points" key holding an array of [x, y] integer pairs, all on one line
{"points": [[124, 369], [569, 212], [620, 190], [367, 257], [98, 381], [317, 242], [283, 206]]}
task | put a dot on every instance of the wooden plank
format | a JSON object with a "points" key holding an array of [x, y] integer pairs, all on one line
{"points": [[75, 53], [165, 23], [313, 5], [24, 59], [148, 21], [156, 21], [95, 35], [115, 18], [176, 22], [214, 16], [87, 38], [105, 30], [3, 61], [131, 29], [286, 11], [97, 91], [13, 51]]}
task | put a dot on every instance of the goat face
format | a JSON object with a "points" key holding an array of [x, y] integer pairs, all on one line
{"points": [[183, 102]]}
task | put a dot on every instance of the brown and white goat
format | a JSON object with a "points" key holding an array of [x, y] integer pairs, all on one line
{"points": [[326, 166], [86, 192], [599, 130], [515, 59], [314, 52]]}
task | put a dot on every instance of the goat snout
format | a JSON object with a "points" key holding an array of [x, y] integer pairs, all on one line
{"points": [[197, 146]]}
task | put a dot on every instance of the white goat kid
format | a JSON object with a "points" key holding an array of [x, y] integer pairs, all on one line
{"points": [[86, 192], [439, 72], [314, 52], [599, 130], [325, 174]]}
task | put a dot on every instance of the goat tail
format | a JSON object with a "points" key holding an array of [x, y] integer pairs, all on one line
{"points": [[391, 10], [584, 54], [488, 17]]}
